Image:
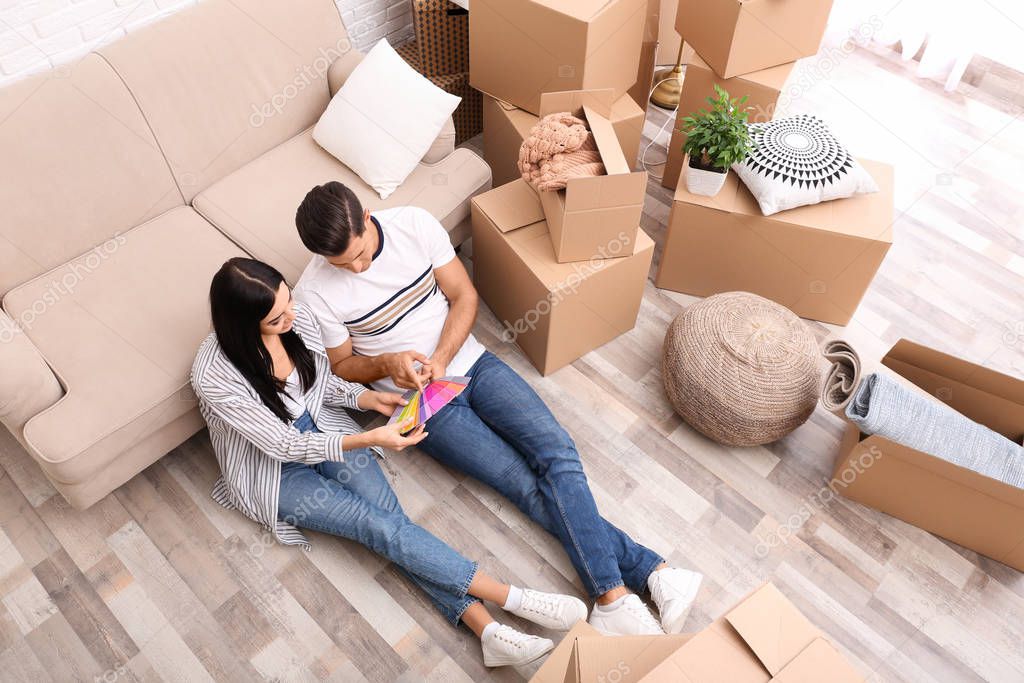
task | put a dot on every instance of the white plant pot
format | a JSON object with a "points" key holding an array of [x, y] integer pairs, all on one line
{"points": [[707, 183]]}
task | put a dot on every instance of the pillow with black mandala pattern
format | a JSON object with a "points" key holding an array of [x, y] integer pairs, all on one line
{"points": [[797, 161]]}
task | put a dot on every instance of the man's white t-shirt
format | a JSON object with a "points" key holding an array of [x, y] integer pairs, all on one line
{"points": [[395, 304]]}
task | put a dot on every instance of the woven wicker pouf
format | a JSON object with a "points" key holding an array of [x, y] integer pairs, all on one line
{"points": [[741, 369]]}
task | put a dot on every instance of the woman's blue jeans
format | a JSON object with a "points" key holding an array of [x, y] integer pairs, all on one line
{"points": [[353, 499]]}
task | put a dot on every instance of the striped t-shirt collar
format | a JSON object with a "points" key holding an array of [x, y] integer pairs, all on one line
{"points": [[380, 239]]}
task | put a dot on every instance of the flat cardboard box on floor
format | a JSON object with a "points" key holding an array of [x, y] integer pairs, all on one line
{"points": [[506, 126], [763, 638], [519, 49], [816, 260], [739, 36], [958, 504], [555, 312], [593, 212], [762, 89]]}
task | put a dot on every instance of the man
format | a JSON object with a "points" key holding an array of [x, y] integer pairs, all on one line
{"points": [[396, 307]]}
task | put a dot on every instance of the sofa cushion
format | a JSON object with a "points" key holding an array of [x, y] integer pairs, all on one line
{"points": [[368, 128], [80, 165], [29, 385], [120, 326], [226, 80], [255, 206]]}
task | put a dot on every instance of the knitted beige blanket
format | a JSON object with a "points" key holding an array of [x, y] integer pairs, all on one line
{"points": [[558, 148]]}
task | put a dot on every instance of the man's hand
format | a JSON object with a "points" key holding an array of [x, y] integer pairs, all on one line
{"points": [[384, 402], [438, 368], [400, 366]]}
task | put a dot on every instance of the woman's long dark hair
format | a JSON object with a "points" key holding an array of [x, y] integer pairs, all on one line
{"points": [[241, 295]]}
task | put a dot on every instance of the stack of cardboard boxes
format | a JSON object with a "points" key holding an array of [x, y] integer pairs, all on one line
{"points": [[816, 260], [440, 52], [763, 638], [564, 271]]}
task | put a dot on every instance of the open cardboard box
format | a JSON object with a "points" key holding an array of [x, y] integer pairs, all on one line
{"points": [[519, 49], [762, 89], [740, 36], [506, 126], [555, 312], [953, 502], [763, 638], [593, 212], [816, 260]]}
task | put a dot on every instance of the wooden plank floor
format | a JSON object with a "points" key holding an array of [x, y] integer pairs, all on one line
{"points": [[156, 582]]}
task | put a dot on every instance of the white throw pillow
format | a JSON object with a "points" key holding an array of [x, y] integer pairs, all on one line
{"points": [[383, 119], [797, 161]]}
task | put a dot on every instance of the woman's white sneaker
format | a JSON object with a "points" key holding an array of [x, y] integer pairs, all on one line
{"points": [[628, 617], [673, 591], [505, 646], [550, 610]]}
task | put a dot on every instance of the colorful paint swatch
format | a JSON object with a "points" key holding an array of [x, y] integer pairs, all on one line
{"points": [[424, 404]]}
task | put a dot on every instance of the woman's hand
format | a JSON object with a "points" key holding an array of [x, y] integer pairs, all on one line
{"points": [[390, 436], [384, 402]]}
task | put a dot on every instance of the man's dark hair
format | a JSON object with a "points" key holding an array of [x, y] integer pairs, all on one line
{"points": [[328, 217]]}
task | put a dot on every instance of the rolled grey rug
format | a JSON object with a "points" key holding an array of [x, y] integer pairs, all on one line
{"points": [[883, 406], [842, 376]]}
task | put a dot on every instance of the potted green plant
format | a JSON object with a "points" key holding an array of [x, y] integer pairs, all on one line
{"points": [[716, 139]]}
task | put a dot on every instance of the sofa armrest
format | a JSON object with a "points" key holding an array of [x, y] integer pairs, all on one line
{"points": [[443, 145], [342, 68], [29, 386]]}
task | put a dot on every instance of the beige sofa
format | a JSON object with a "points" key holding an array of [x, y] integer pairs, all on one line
{"points": [[129, 178]]}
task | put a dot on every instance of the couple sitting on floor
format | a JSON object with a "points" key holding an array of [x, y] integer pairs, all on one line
{"points": [[385, 302]]}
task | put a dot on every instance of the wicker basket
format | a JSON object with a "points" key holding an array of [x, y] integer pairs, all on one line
{"points": [[741, 369]]}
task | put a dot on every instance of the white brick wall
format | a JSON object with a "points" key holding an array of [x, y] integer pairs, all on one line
{"points": [[39, 34]]}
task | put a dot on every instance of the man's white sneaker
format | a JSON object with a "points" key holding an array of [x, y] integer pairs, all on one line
{"points": [[550, 610], [505, 646], [673, 591], [630, 617]]}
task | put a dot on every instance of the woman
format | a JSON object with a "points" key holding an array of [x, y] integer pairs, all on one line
{"points": [[291, 457]]}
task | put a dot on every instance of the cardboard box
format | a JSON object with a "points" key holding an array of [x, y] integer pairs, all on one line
{"points": [[468, 116], [506, 126], [519, 49], [442, 36], [620, 658], [641, 90], [763, 638], [554, 667], [816, 260], [762, 89], [740, 36], [953, 502], [555, 312], [592, 212], [661, 26]]}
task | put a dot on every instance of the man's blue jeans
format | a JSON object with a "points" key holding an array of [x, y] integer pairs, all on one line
{"points": [[353, 499], [500, 431]]}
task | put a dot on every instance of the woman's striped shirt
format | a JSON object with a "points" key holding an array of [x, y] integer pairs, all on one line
{"points": [[251, 442]]}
